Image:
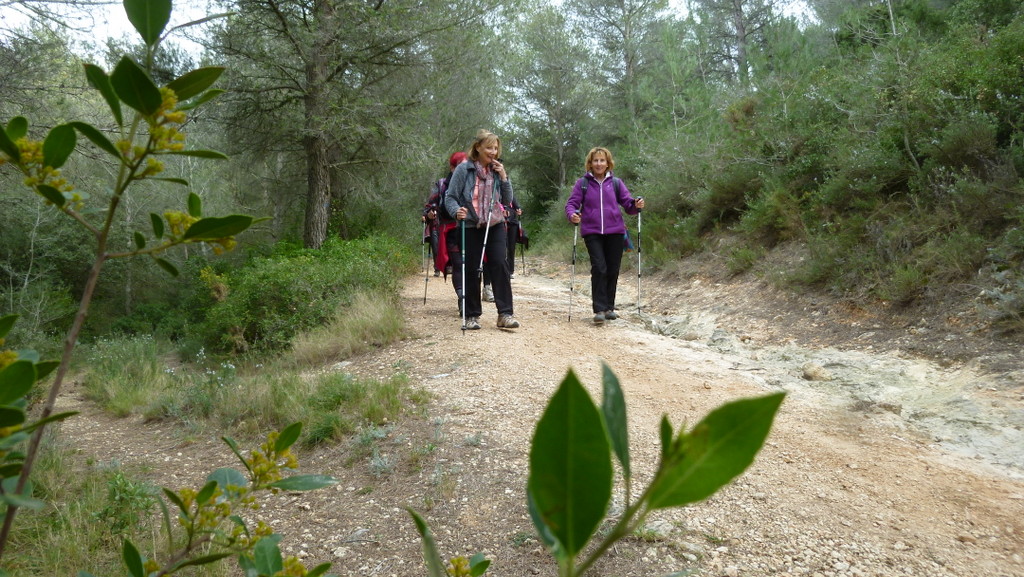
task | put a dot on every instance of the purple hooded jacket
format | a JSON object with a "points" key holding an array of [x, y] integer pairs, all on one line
{"points": [[600, 203]]}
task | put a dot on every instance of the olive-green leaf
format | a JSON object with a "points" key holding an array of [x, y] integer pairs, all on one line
{"points": [[180, 181], [96, 137], [140, 241], [168, 267], [195, 82], [217, 227], [203, 560], [174, 498], [207, 491], [435, 566], [52, 194], [267, 555], [6, 324], [287, 437], [195, 205], [720, 447], [58, 145], [227, 477], [319, 570], [665, 432], [158, 225], [149, 17], [613, 408], [197, 154], [304, 482], [478, 564], [203, 99], [44, 368], [10, 416], [16, 380], [8, 147], [135, 88], [51, 419], [99, 80], [17, 128], [132, 559], [570, 466]]}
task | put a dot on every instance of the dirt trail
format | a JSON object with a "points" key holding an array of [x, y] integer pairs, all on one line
{"points": [[835, 492]]}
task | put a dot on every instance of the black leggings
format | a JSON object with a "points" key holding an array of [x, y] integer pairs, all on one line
{"points": [[605, 260]]}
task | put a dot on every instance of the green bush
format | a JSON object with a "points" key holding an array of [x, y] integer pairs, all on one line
{"points": [[266, 303]]}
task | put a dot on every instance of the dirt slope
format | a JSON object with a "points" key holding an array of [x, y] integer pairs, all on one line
{"points": [[835, 492]]}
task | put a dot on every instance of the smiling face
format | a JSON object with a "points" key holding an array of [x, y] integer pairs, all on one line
{"points": [[599, 164], [488, 151]]}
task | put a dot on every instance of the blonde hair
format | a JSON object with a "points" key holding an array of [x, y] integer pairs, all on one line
{"points": [[599, 149], [483, 137]]}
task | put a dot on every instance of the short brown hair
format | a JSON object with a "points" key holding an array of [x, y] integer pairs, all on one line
{"points": [[590, 157]]}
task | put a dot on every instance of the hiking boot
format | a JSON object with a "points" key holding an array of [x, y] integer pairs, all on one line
{"points": [[437, 273], [599, 319], [473, 324], [610, 315], [507, 322], [488, 294]]}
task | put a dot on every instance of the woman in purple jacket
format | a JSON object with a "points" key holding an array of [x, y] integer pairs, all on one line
{"points": [[594, 206]]}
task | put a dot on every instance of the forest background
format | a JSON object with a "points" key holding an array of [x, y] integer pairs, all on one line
{"points": [[880, 142]]}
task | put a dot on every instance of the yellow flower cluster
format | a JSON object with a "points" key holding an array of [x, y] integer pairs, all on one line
{"points": [[6, 357], [179, 222], [36, 173], [266, 463], [459, 567], [163, 135]]}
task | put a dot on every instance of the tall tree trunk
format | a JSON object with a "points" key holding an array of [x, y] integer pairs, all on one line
{"points": [[315, 143]]}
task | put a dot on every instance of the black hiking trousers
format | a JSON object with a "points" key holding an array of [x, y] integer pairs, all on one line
{"points": [[496, 266], [605, 260]]}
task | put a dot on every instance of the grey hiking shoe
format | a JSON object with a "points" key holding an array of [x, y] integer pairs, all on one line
{"points": [[488, 294], [507, 322], [610, 315], [599, 319], [473, 324]]}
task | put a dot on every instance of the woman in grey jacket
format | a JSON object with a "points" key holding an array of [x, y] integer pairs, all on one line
{"points": [[477, 191]]}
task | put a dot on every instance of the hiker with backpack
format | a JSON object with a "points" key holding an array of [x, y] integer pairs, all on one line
{"points": [[448, 259], [594, 207], [477, 191]]}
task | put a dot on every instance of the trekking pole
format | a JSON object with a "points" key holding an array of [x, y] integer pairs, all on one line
{"points": [[426, 269], [572, 276], [462, 297], [639, 227], [487, 230], [522, 247]]}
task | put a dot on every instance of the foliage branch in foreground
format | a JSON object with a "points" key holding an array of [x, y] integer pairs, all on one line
{"points": [[207, 525], [571, 471]]}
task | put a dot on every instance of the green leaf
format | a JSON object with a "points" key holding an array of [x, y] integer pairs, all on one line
{"points": [[17, 127], [99, 80], [203, 99], [613, 408], [149, 17], [666, 437], [267, 555], [435, 567], [132, 559], [318, 570], [227, 477], [140, 241], [22, 500], [206, 493], [6, 324], [570, 466], [181, 181], [287, 438], [135, 88], [304, 482], [168, 267], [97, 138], [158, 225], [8, 147], [719, 448], [44, 368], [51, 419], [213, 228], [195, 205], [16, 380], [174, 498], [478, 564], [195, 82], [10, 416], [52, 194], [197, 153], [58, 145], [203, 560], [234, 449]]}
